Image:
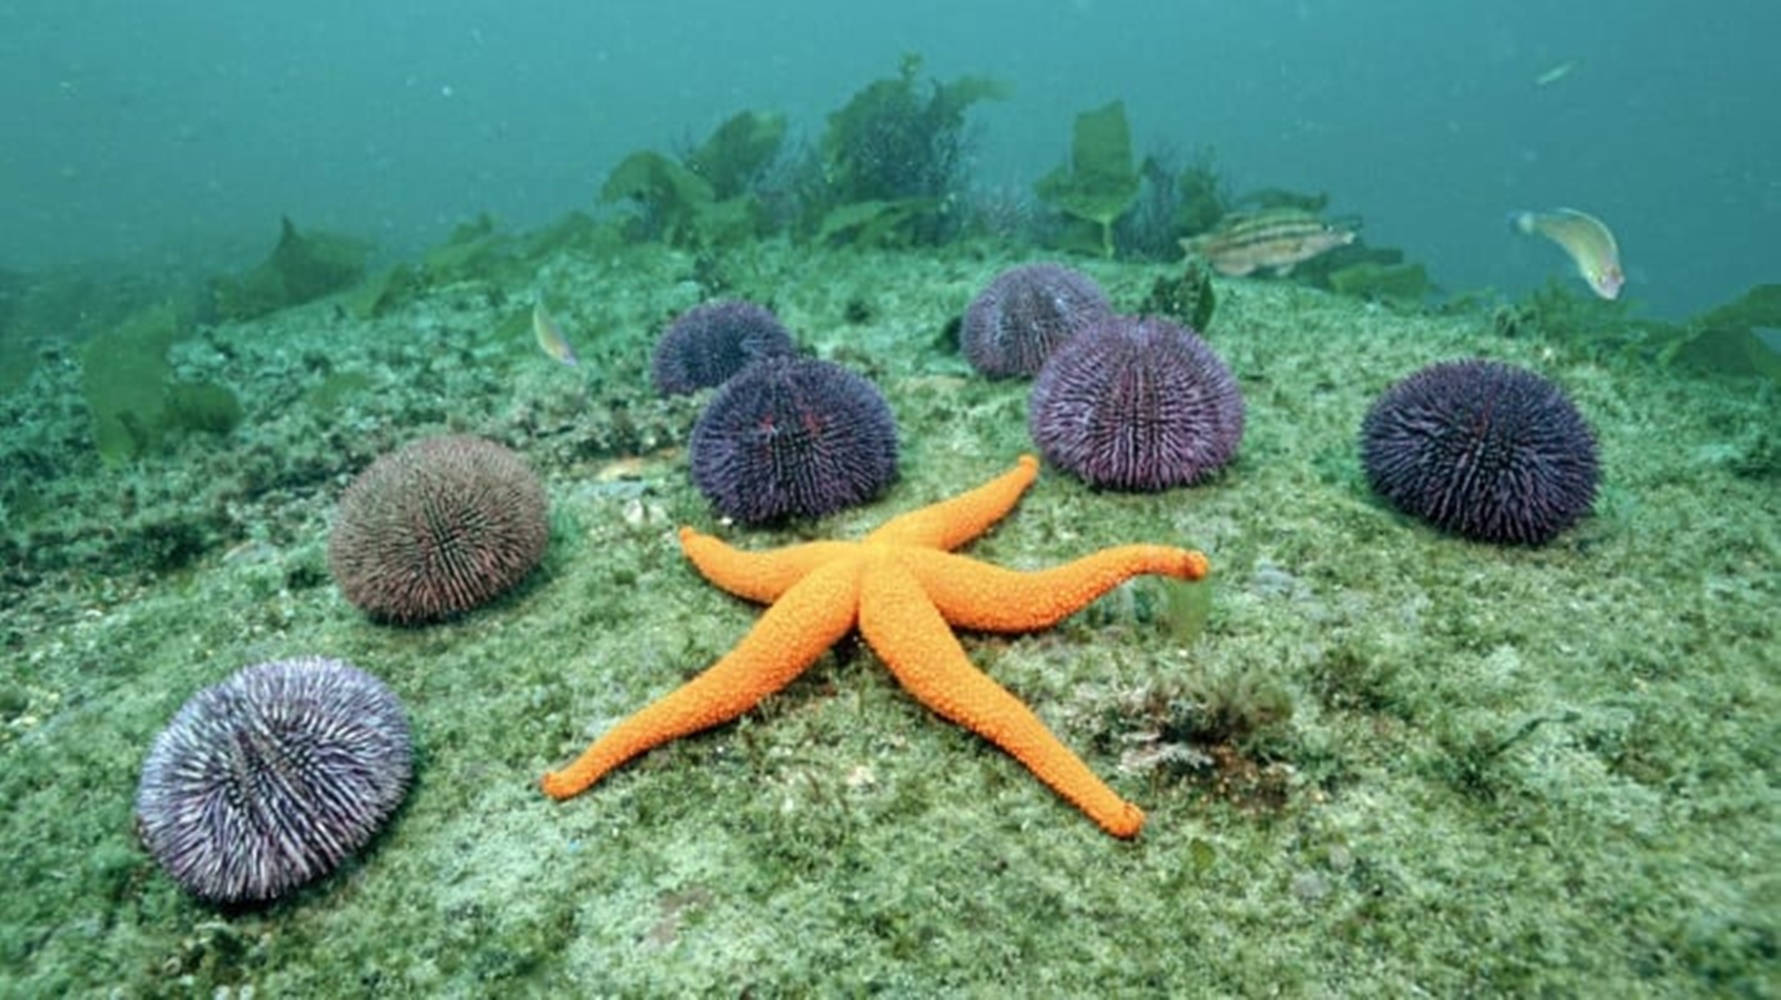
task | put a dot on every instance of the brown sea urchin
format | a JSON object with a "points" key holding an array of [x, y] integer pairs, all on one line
{"points": [[270, 778], [437, 528]]}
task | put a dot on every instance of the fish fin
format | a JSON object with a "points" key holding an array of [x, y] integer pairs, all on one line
{"points": [[1282, 270]]}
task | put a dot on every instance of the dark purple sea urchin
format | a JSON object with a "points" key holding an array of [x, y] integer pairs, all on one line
{"points": [[1026, 313], [1481, 449], [268, 779], [437, 528], [1136, 404], [793, 437], [709, 343]]}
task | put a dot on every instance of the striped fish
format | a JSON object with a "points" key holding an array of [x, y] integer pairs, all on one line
{"points": [[1274, 239]]}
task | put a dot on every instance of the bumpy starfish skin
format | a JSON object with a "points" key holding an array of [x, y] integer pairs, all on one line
{"points": [[904, 593]]}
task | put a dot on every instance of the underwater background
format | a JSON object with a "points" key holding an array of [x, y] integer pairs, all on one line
{"points": [[247, 251], [158, 130]]}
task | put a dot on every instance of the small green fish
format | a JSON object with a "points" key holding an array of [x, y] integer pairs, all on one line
{"points": [[550, 336], [1588, 241]]}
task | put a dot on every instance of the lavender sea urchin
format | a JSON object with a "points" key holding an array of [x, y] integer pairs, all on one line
{"points": [[268, 779], [793, 437], [1136, 404], [1482, 449], [711, 342], [1027, 312]]}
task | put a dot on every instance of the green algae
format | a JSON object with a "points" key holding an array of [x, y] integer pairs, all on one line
{"points": [[733, 158], [135, 401], [1187, 297], [125, 374], [1406, 284], [302, 267], [896, 142], [1388, 761], [1100, 183]]}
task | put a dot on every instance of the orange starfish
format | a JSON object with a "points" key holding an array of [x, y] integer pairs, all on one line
{"points": [[901, 589]]}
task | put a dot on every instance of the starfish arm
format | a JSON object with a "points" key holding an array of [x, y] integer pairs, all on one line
{"points": [[898, 621], [757, 576], [789, 637], [955, 521], [977, 595]]}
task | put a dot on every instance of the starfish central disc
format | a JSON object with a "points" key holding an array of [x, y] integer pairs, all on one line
{"points": [[905, 592]]}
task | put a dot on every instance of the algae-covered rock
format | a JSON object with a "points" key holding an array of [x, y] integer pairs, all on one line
{"points": [[302, 267], [1100, 182], [335, 390], [202, 407]]}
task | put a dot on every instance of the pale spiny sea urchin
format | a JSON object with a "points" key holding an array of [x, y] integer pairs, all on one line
{"points": [[270, 778], [1136, 404], [1025, 314], [437, 528], [1482, 449], [793, 437], [711, 342]]}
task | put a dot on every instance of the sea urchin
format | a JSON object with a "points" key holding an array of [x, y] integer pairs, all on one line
{"points": [[437, 528], [711, 342], [1027, 312], [1482, 449], [1136, 404], [793, 437], [268, 779]]}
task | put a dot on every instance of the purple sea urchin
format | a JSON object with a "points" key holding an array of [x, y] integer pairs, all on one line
{"points": [[1026, 313], [1482, 449], [270, 778], [1136, 404], [437, 528], [793, 437], [711, 342]]}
